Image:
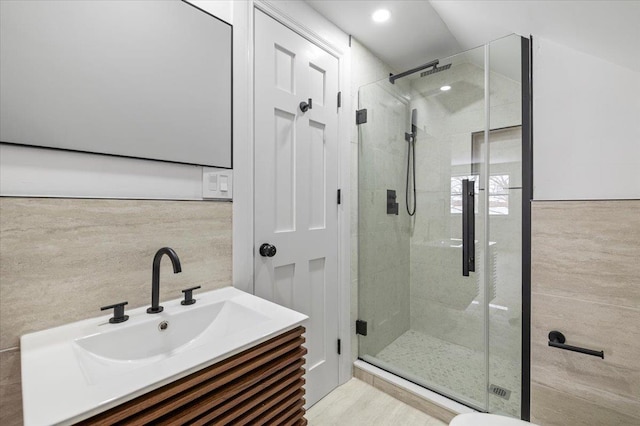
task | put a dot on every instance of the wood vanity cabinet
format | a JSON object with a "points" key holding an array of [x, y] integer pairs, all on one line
{"points": [[261, 385]]}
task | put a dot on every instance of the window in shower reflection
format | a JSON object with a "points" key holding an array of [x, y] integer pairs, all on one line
{"points": [[498, 193], [456, 192]]}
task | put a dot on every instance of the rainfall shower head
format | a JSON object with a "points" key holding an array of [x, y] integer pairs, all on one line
{"points": [[433, 65], [435, 69]]}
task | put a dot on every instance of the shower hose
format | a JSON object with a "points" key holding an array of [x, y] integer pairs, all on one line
{"points": [[411, 170]]}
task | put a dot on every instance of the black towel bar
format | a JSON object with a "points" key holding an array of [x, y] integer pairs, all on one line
{"points": [[556, 340]]}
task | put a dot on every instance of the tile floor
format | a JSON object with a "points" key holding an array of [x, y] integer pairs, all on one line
{"points": [[455, 367], [358, 404]]}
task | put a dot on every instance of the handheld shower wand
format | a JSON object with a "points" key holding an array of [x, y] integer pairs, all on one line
{"points": [[411, 165]]}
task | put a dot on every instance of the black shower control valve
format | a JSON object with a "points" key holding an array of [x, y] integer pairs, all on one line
{"points": [[267, 250], [118, 312], [188, 296], [392, 206], [361, 327], [306, 106]]}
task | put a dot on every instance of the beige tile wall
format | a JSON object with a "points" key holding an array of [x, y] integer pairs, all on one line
{"points": [[62, 259], [586, 284], [10, 390]]}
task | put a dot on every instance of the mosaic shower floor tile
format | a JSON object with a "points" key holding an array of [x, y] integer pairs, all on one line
{"points": [[461, 370]]}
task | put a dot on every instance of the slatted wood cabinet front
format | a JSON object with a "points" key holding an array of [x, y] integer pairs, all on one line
{"points": [[262, 385]]}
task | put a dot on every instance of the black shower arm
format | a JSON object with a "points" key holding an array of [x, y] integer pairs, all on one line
{"points": [[394, 77]]}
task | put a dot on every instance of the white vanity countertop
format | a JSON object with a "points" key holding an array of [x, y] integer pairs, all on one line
{"points": [[62, 383]]}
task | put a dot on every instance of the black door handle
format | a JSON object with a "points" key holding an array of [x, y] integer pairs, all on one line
{"points": [[267, 250], [556, 340], [305, 106]]}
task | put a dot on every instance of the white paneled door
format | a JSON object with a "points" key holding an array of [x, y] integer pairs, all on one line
{"points": [[296, 182]]}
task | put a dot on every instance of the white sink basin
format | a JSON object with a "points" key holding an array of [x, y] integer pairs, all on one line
{"points": [[72, 372], [165, 333]]}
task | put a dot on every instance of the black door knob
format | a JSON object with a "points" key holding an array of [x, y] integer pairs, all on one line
{"points": [[267, 250]]}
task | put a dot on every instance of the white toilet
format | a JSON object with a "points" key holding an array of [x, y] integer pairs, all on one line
{"points": [[484, 419]]}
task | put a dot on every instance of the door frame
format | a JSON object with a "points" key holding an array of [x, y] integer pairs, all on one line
{"points": [[306, 22]]}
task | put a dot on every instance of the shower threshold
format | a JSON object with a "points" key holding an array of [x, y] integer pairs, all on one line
{"points": [[435, 404]]}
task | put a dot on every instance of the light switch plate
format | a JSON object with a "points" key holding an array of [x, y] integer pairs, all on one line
{"points": [[217, 183]]}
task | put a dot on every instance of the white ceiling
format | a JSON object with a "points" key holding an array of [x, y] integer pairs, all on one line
{"points": [[606, 29], [413, 35], [421, 30]]}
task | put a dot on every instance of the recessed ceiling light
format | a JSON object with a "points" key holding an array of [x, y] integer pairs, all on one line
{"points": [[445, 88], [381, 15]]}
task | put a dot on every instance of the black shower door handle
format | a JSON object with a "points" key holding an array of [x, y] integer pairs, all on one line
{"points": [[468, 227]]}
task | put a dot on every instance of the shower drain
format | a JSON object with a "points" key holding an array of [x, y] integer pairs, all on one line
{"points": [[498, 391]]}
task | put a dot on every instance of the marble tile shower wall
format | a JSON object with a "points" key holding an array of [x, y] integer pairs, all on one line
{"points": [[382, 235], [384, 238], [62, 259], [441, 300]]}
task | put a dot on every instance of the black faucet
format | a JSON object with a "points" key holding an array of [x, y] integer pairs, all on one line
{"points": [[155, 283]]}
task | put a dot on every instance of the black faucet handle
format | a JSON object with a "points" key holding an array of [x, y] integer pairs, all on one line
{"points": [[188, 296], [118, 312]]}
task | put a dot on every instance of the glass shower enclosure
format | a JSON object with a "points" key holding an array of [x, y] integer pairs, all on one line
{"points": [[440, 226]]}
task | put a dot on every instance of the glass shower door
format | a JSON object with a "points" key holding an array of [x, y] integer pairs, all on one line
{"points": [[384, 238], [426, 314]]}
